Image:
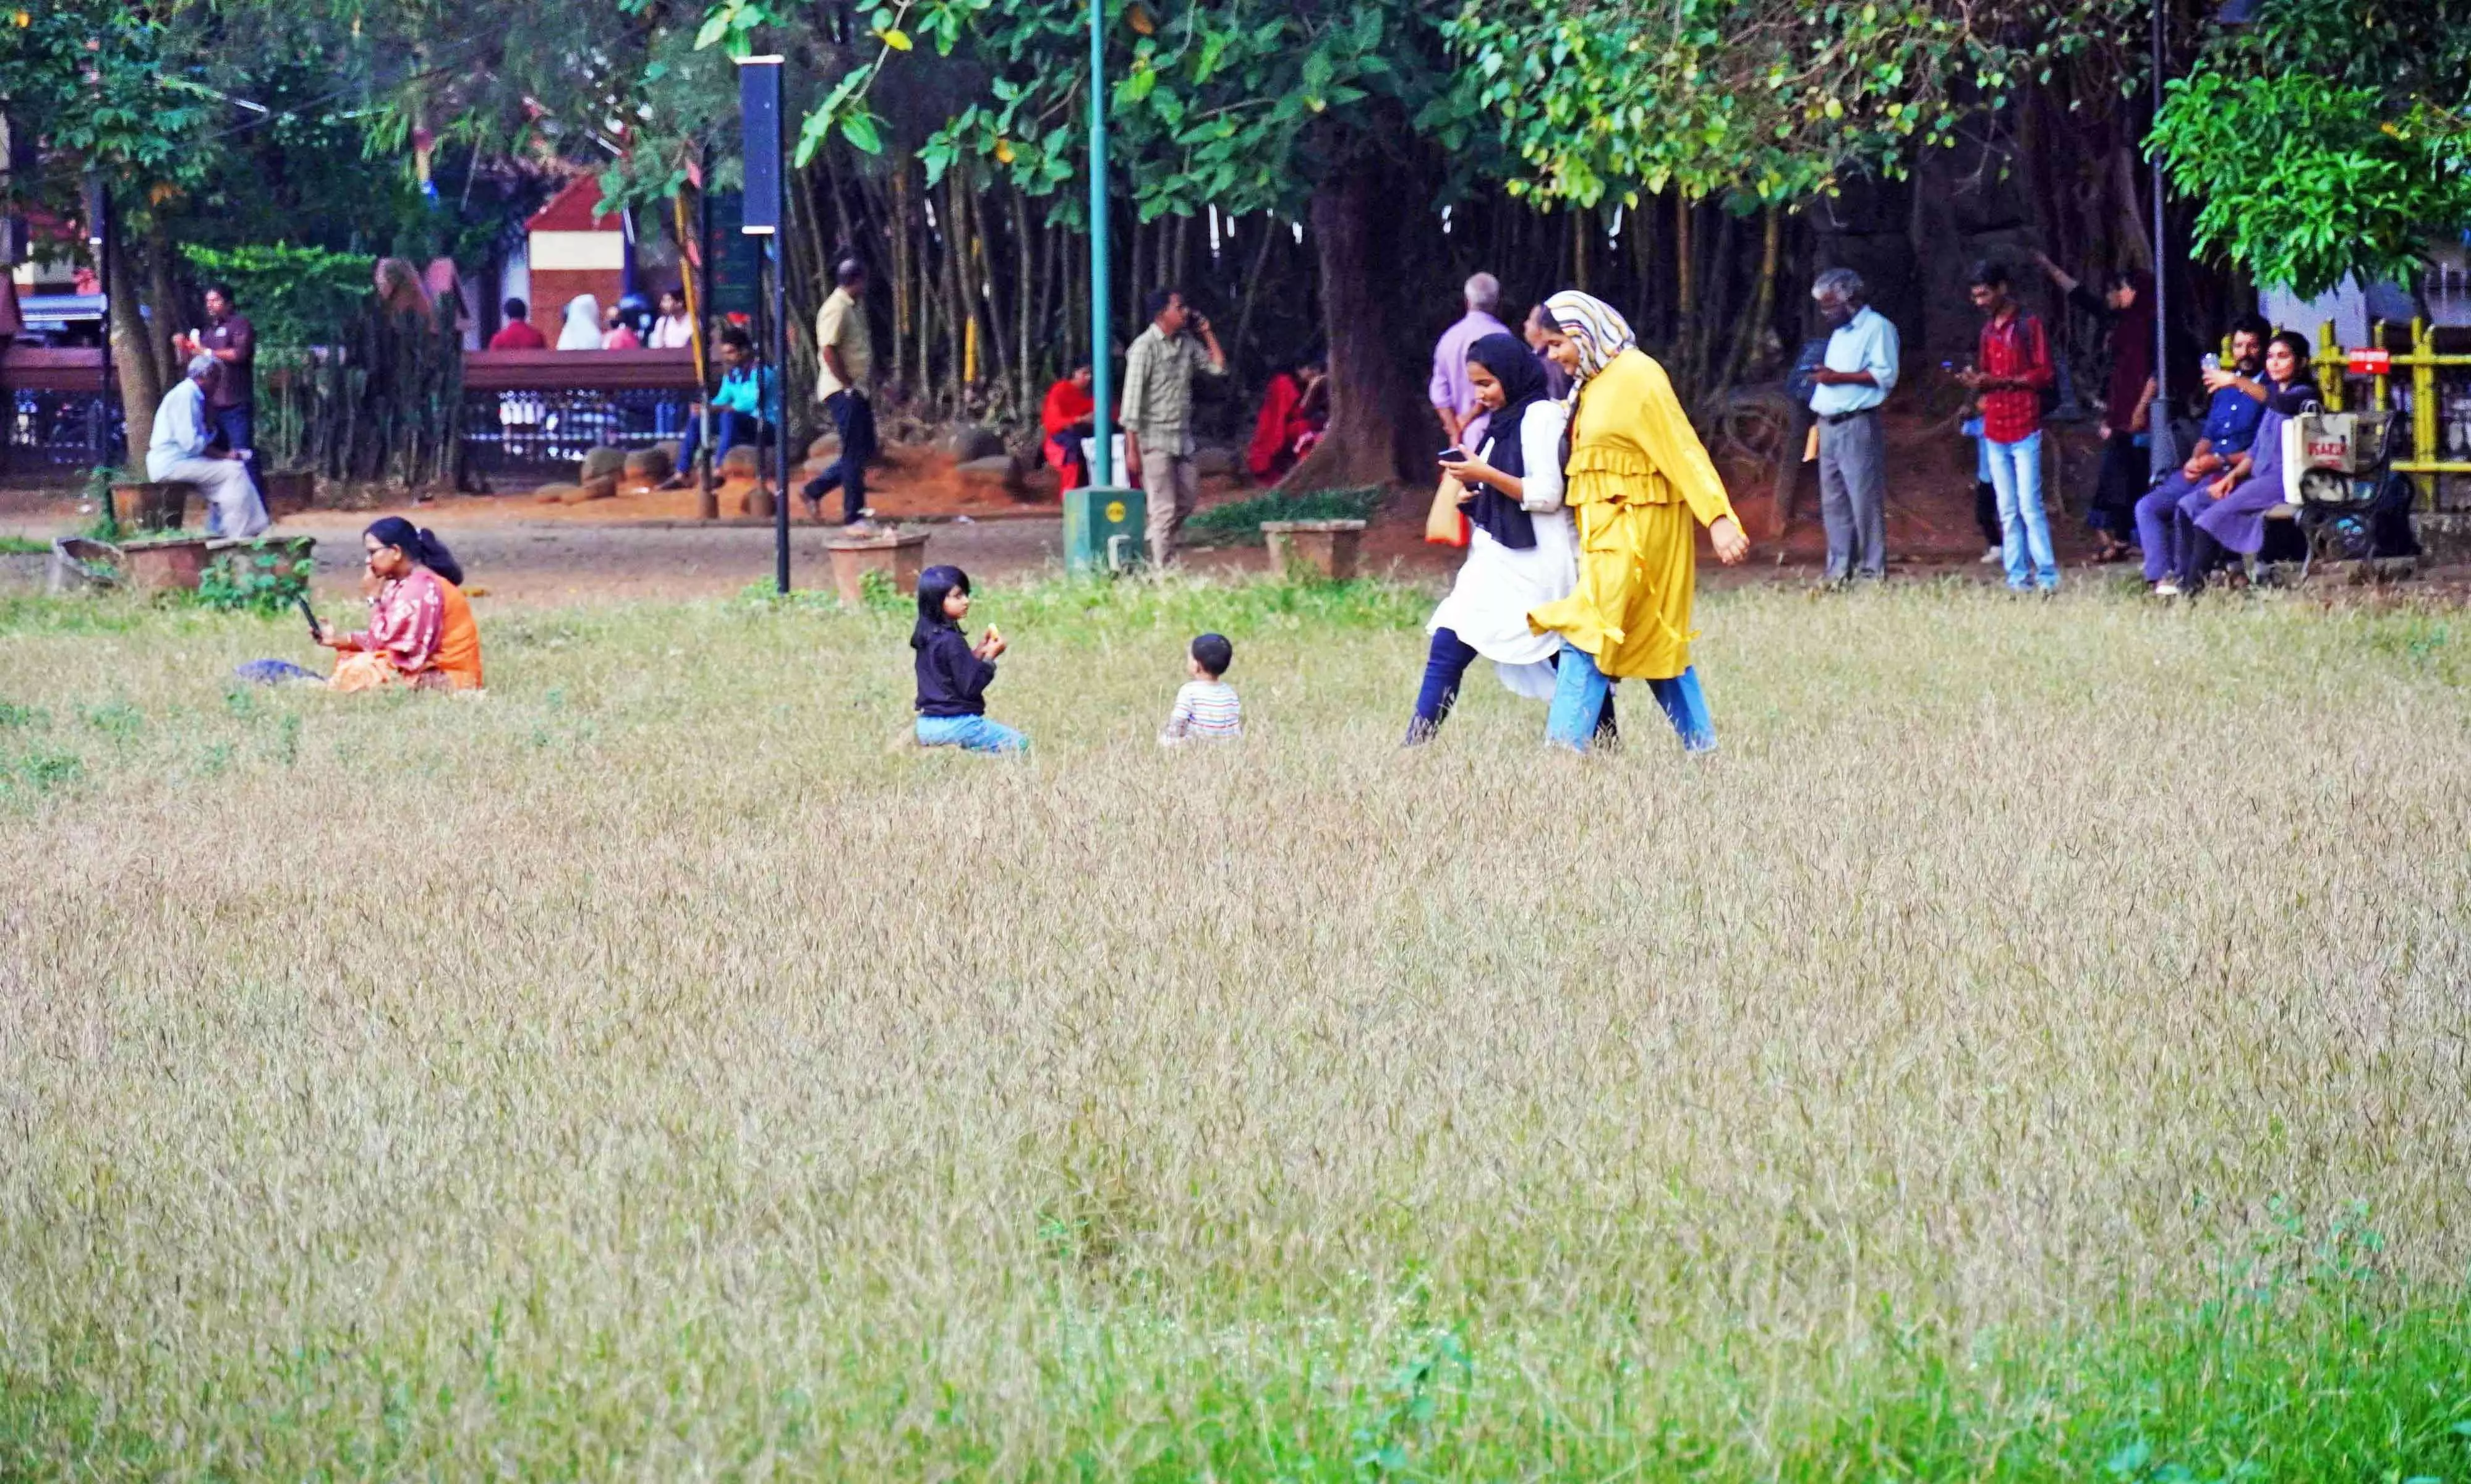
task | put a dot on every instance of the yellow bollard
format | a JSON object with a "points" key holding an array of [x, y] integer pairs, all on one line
{"points": [[2425, 447], [2330, 361]]}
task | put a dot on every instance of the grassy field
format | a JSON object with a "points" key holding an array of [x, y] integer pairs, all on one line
{"points": [[2034, 1048]]}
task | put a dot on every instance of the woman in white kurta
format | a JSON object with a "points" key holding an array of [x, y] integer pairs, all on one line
{"points": [[1521, 551]]}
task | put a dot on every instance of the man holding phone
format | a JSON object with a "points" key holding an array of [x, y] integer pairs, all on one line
{"points": [[1158, 412]]}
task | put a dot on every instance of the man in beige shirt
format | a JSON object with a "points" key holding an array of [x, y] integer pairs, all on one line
{"points": [[844, 361], [1158, 412]]}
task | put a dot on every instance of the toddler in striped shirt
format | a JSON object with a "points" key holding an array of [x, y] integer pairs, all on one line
{"points": [[1205, 707]]}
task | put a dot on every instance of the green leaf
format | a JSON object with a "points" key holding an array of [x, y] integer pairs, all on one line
{"points": [[859, 129]]}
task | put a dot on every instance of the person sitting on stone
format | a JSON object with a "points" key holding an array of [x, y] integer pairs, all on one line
{"points": [[737, 408], [181, 452], [1067, 416]]}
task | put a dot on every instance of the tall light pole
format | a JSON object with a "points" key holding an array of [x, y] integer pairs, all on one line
{"points": [[1102, 375], [2159, 423]]}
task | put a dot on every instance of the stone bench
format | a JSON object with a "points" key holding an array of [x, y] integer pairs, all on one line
{"points": [[1326, 549]]}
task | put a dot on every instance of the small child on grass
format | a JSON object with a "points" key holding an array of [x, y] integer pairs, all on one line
{"points": [[1205, 707], [952, 676]]}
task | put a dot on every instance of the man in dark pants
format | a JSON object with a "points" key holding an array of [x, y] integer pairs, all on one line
{"points": [[231, 395], [844, 359]]}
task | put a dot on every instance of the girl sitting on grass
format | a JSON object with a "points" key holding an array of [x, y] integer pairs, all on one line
{"points": [[952, 677]]}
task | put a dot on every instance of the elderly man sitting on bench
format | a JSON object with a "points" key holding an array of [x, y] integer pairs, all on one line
{"points": [[180, 453]]}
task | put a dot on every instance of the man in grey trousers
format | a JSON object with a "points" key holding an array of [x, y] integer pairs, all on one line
{"points": [[1846, 391]]}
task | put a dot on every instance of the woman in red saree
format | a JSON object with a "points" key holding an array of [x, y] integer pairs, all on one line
{"points": [[1295, 409], [422, 631], [1067, 418]]}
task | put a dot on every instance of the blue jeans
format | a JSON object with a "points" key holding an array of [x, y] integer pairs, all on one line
{"points": [[1584, 693], [728, 429], [2024, 531], [974, 734]]}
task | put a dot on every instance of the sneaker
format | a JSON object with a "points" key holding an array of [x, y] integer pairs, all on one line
{"points": [[2167, 587], [1990, 557]]}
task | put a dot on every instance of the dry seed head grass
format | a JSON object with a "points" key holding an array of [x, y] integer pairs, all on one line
{"points": [[640, 1072]]}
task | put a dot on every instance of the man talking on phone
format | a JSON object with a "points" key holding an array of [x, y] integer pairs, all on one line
{"points": [[1158, 412]]}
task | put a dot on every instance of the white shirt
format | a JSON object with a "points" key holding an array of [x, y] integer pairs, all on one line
{"points": [[1498, 587], [1865, 343], [671, 332], [179, 429]]}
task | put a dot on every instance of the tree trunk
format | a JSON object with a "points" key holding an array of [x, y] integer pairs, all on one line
{"points": [[1370, 393], [141, 383]]}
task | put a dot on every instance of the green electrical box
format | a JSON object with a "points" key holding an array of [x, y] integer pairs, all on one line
{"points": [[1105, 529]]}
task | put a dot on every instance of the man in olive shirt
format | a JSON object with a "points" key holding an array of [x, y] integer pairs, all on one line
{"points": [[845, 359], [1158, 414], [231, 392]]}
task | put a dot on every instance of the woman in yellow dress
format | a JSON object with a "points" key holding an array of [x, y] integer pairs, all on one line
{"points": [[1638, 476]]}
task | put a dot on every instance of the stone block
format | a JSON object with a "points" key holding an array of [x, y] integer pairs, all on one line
{"points": [[899, 555], [556, 493], [968, 442], [1326, 549], [650, 466], [604, 489], [603, 463], [744, 461]]}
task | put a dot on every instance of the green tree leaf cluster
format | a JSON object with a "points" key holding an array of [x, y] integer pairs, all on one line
{"points": [[2326, 138]]}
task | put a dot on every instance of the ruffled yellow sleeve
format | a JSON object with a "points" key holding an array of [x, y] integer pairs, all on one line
{"points": [[1663, 432]]}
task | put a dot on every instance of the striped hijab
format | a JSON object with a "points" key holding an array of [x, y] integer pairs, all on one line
{"points": [[1594, 327]]}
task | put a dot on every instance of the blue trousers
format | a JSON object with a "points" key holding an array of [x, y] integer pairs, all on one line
{"points": [[729, 429], [238, 425], [1447, 664], [1583, 693], [973, 733], [854, 420]]}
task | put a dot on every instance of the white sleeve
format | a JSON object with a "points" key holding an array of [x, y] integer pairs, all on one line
{"points": [[1540, 443]]}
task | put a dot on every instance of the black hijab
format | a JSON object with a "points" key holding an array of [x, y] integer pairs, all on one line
{"points": [[1523, 385]]}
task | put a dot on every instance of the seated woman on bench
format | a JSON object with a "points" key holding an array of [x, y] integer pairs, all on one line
{"points": [[2227, 516], [421, 632]]}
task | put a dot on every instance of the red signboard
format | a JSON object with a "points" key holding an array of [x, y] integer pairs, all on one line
{"points": [[2372, 362]]}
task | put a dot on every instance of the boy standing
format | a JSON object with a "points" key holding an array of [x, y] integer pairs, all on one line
{"points": [[1205, 707], [2012, 370]]}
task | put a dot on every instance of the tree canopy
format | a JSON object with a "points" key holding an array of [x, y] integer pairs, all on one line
{"points": [[2324, 139]]}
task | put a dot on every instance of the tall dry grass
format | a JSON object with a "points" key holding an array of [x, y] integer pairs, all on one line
{"points": [[2038, 1036]]}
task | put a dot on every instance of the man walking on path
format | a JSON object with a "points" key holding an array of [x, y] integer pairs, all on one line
{"points": [[2013, 367], [231, 392], [845, 359], [1452, 394], [179, 452], [1158, 412], [1847, 391]]}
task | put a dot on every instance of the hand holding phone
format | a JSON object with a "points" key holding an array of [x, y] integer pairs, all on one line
{"points": [[317, 631], [1453, 454]]}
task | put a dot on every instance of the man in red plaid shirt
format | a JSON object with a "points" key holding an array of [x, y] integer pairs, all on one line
{"points": [[2011, 371]]}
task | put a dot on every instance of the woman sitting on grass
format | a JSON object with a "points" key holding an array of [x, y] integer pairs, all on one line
{"points": [[421, 632], [952, 677]]}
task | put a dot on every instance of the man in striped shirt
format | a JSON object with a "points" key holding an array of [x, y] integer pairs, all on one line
{"points": [[1205, 707]]}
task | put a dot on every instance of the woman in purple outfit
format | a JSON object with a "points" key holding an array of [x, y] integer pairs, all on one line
{"points": [[2227, 516]]}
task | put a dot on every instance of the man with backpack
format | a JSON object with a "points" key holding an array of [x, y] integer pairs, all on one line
{"points": [[2011, 371]]}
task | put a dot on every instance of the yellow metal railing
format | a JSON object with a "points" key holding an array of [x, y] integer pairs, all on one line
{"points": [[2423, 363]]}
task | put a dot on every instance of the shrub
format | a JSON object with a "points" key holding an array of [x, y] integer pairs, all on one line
{"points": [[1238, 522]]}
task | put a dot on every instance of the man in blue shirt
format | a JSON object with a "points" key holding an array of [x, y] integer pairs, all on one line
{"points": [[2231, 418], [738, 408], [1845, 393]]}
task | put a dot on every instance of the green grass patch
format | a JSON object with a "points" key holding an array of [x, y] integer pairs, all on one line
{"points": [[2026, 1050], [1238, 522]]}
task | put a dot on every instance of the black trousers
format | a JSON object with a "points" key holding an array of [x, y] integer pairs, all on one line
{"points": [[854, 420]]}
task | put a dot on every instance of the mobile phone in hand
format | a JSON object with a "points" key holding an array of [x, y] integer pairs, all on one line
{"points": [[317, 631], [1453, 454]]}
